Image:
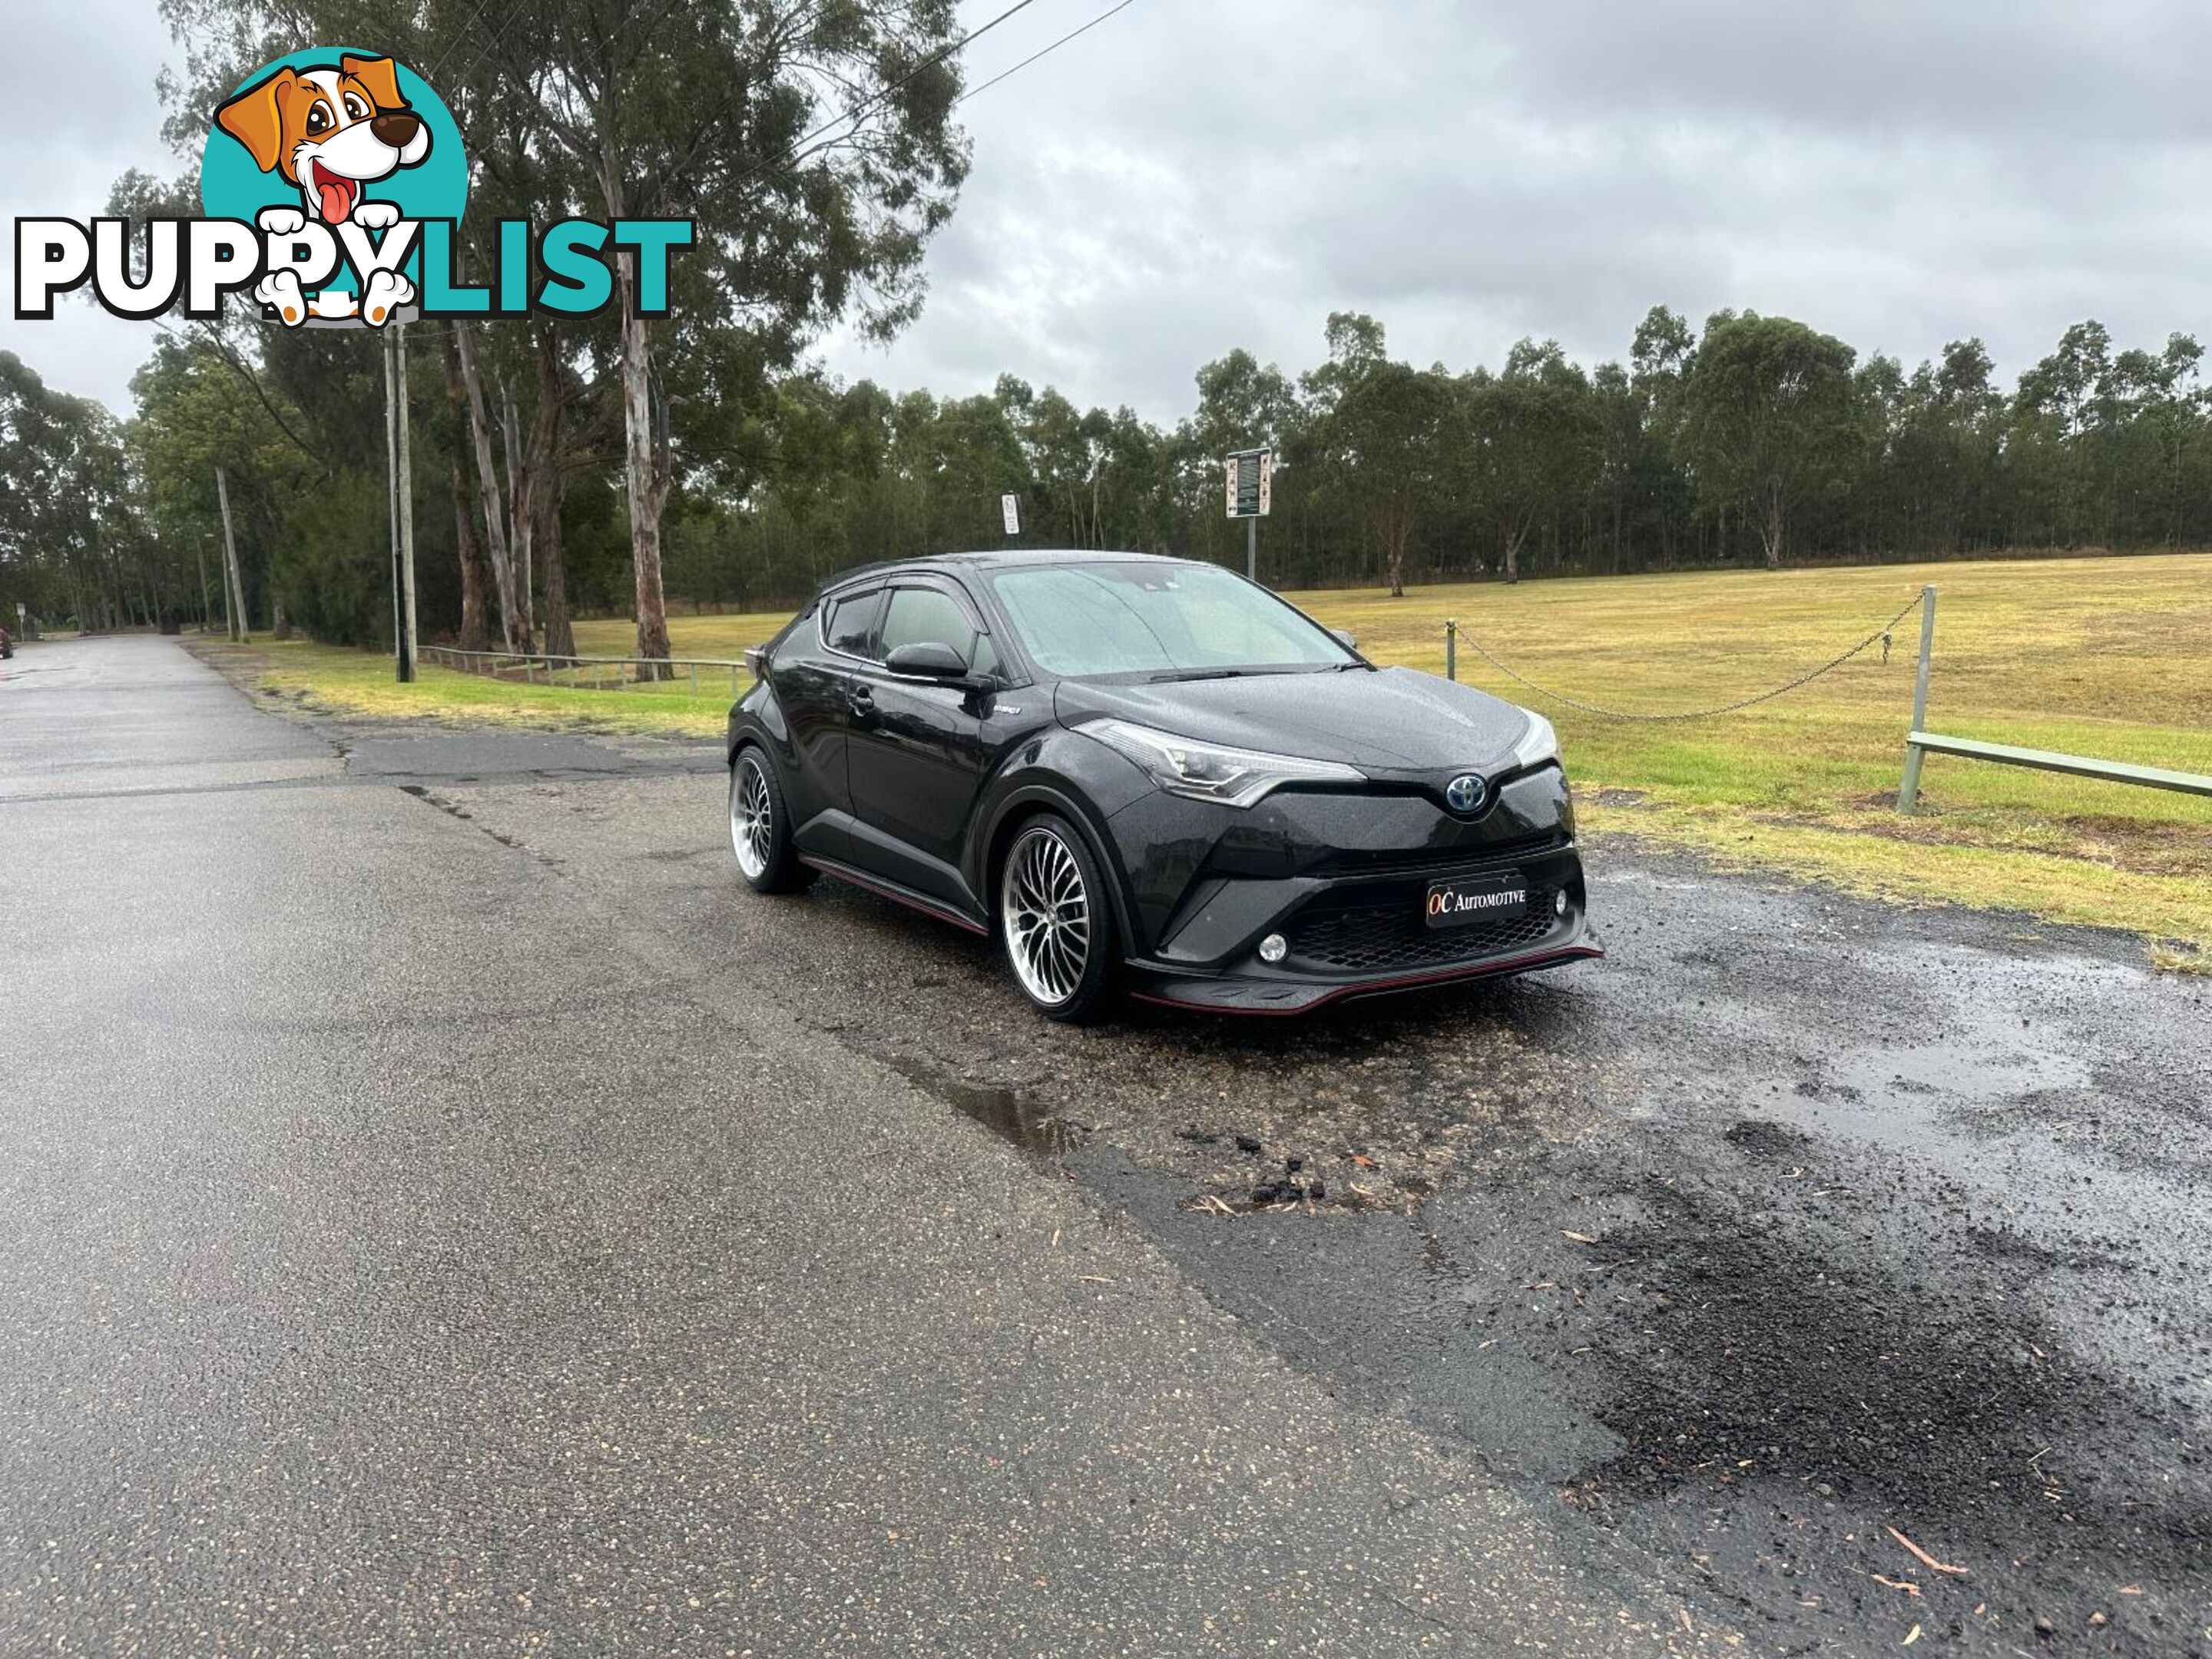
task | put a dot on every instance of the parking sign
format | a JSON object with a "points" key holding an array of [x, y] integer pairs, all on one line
{"points": [[1251, 479]]}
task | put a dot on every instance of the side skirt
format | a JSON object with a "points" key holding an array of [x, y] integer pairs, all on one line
{"points": [[892, 890]]}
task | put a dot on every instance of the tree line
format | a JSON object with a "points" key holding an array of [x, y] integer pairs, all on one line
{"points": [[613, 467], [1755, 440]]}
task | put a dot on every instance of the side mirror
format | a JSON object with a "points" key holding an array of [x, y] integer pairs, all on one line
{"points": [[927, 659], [1345, 637]]}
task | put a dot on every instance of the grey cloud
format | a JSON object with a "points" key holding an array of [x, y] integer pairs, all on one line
{"points": [[1195, 175], [1898, 174]]}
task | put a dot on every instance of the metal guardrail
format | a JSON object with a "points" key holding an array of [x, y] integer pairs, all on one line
{"points": [[1918, 743], [551, 668]]}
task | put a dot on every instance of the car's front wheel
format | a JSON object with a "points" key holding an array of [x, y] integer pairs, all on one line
{"points": [[760, 829], [1056, 921]]}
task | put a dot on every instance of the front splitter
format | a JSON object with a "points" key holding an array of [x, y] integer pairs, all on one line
{"points": [[1254, 996]]}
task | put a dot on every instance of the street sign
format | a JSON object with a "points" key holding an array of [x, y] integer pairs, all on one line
{"points": [[1250, 475], [1011, 506]]}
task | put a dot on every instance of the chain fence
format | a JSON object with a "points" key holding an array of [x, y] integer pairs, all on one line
{"points": [[1881, 635]]}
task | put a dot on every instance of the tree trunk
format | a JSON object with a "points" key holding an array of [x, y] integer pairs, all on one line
{"points": [[1770, 532], [645, 478], [548, 485], [513, 608], [560, 630], [521, 507], [474, 635]]}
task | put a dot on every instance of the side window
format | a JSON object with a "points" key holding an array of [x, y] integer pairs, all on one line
{"points": [[924, 616], [850, 627]]}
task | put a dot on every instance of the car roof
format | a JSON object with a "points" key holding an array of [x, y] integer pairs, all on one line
{"points": [[1000, 558]]}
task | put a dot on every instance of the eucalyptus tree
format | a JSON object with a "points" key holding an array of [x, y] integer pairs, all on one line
{"points": [[812, 144], [1531, 437], [1772, 417]]}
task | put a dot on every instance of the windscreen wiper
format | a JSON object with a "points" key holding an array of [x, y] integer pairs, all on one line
{"points": [[1240, 673]]}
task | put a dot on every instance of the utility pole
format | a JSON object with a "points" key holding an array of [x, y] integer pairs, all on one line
{"points": [[207, 598], [401, 511], [238, 628], [407, 658]]}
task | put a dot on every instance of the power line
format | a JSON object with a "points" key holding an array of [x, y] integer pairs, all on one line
{"points": [[458, 36], [477, 57], [868, 106], [1049, 51]]}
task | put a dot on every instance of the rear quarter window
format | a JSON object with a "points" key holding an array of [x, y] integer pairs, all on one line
{"points": [[850, 624]]}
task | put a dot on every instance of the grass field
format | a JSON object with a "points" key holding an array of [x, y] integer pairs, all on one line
{"points": [[2104, 657]]}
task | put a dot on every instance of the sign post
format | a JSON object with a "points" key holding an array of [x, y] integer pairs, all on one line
{"points": [[1250, 475]]}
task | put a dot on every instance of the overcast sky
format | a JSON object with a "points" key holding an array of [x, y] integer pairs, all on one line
{"points": [[1195, 175]]}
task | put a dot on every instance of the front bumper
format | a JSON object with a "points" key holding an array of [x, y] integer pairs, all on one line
{"points": [[1345, 881], [1365, 936]]}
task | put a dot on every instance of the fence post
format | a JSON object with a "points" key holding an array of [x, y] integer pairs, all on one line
{"points": [[1908, 788], [1451, 648]]}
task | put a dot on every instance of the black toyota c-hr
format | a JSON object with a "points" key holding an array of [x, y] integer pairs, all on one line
{"points": [[1151, 772]]}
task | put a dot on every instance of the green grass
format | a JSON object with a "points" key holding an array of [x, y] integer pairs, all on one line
{"points": [[2104, 657], [334, 680]]}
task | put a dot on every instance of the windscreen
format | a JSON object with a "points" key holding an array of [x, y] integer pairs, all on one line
{"points": [[1082, 621]]}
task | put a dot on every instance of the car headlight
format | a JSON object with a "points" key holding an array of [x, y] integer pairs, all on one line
{"points": [[1214, 771], [1538, 744]]}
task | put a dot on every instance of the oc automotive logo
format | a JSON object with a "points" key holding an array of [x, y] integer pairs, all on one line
{"points": [[1444, 903], [1464, 794]]}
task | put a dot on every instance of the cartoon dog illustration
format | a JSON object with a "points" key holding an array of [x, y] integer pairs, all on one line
{"points": [[330, 131]]}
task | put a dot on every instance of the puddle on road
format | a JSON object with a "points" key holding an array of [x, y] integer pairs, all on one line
{"points": [[1963, 1071], [1001, 1111]]}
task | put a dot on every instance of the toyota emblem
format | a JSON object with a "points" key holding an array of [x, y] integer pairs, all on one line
{"points": [[1465, 794]]}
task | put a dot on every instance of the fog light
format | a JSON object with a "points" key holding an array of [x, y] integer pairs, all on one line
{"points": [[1274, 948], [1559, 903]]}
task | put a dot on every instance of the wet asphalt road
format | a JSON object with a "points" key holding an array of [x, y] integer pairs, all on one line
{"points": [[408, 1245], [446, 1210]]}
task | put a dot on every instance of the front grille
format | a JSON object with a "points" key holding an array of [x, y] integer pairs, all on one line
{"points": [[1372, 863], [1376, 938]]}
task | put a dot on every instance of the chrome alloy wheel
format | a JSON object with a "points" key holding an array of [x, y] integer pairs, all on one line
{"points": [[1046, 914], [752, 825]]}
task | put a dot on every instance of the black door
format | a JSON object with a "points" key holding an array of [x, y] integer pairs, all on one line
{"points": [[915, 751], [814, 685]]}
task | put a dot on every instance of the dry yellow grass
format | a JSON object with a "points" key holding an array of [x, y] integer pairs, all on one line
{"points": [[2106, 657]]}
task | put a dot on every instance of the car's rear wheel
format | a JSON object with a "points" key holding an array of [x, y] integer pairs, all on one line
{"points": [[760, 829], [1056, 920]]}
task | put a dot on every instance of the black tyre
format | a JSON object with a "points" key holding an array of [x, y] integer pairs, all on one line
{"points": [[760, 829], [1056, 920]]}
